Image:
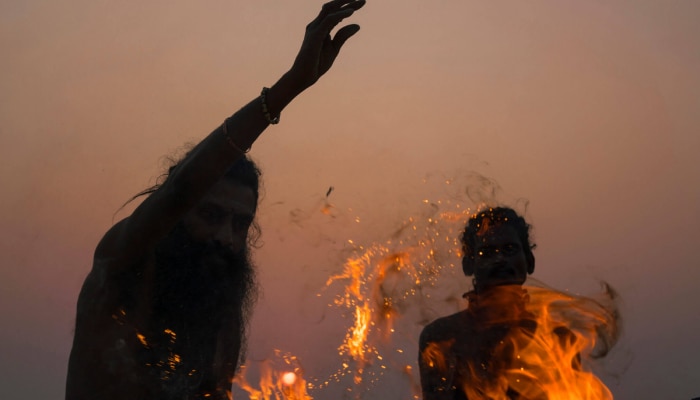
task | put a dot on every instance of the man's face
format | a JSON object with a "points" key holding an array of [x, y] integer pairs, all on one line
{"points": [[203, 265], [499, 258], [223, 216]]}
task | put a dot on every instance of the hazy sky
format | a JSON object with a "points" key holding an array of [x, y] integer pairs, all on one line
{"points": [[589, 110]]}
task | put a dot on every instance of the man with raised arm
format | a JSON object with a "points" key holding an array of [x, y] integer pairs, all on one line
{"points": [[163, 312]]}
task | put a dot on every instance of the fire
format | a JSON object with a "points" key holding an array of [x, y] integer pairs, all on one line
{"points": [[384, 282], [357, 337], [282, 378], [536, 343], [289, 378], [528, 343]]}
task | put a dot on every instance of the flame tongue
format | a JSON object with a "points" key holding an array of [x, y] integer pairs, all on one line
{"points": [[510, 344], [527, 344]]}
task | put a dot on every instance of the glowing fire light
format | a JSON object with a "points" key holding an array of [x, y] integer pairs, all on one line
{"points": [[274, 384], [534, 342], [409, 279], [289, 378], [385, 282]]}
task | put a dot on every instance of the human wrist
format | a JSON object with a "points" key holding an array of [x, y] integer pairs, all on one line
{"points": [[273, 100], [270, 118], [288, 87]]}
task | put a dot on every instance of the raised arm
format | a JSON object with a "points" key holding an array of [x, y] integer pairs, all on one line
{"points": [[210, 158]]}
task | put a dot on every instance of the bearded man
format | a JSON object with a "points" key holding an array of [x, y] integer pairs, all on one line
{"points": [[164, 310]]}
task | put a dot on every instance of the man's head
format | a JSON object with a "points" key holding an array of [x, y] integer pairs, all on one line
{"points": [[497, 248], [214, 238], [204, 274], [225, 215], [236, 194]]}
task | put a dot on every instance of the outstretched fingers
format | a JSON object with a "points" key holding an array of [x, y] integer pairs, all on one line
{"points": [[318, 50], [335, 11], [337, 5]]}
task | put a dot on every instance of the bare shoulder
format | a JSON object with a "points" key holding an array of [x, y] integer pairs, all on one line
{"points": [[110, 244], [115, 278], [120, 248], [447, 328]]}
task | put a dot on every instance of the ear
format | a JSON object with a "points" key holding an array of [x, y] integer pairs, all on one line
{"points": [[530, 258], [468, 266]]}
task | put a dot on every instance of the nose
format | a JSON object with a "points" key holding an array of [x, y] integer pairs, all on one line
{"points": [[498, 259], [224, 236], [499, 255]]}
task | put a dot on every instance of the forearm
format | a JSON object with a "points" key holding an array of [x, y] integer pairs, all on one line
{"points": [[210, 159], [202, 167], [436, 371], [248, 123]]}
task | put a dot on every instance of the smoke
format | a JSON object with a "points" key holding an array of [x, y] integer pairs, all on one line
{"points": [[386, 280]]}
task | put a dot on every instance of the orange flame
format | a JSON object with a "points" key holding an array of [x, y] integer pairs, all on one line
{"points": [[383, 281], [542, 354], [532, 343], [282, 378]]}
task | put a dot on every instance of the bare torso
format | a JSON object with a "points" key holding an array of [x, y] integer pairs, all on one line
{"points": [[468, 351], [119, 352]]}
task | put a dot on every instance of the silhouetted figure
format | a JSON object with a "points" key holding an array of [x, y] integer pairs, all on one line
{"points": [[512, 342], [163, 313], [463, 355]]}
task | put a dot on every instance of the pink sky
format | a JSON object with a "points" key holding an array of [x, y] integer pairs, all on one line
{"points": [[589, 110]]}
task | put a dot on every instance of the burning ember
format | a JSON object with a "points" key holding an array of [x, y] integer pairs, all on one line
{"points": [[281, 378], [390, 284], [522, 342], [525, 343]]}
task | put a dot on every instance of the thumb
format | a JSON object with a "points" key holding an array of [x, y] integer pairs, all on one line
{"points": [[344, 34]]}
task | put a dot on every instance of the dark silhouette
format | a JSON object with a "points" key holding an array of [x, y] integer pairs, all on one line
{"points": [[164, 310], [512, 342], [460, 352]]}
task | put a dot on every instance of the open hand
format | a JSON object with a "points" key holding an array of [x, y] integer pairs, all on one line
{"points": [[318, 50]]}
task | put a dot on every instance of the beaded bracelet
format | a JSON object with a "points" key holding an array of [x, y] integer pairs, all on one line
{"points": [[229, 139], [263, 99]]}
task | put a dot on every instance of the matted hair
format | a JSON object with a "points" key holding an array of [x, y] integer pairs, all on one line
{"points": [[243, 171], [494, 216]]}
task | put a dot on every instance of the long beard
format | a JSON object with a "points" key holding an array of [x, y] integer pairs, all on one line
{"points": [[201, 288]]}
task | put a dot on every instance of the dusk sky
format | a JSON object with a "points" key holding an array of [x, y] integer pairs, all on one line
{"points": [[588, 111]]}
